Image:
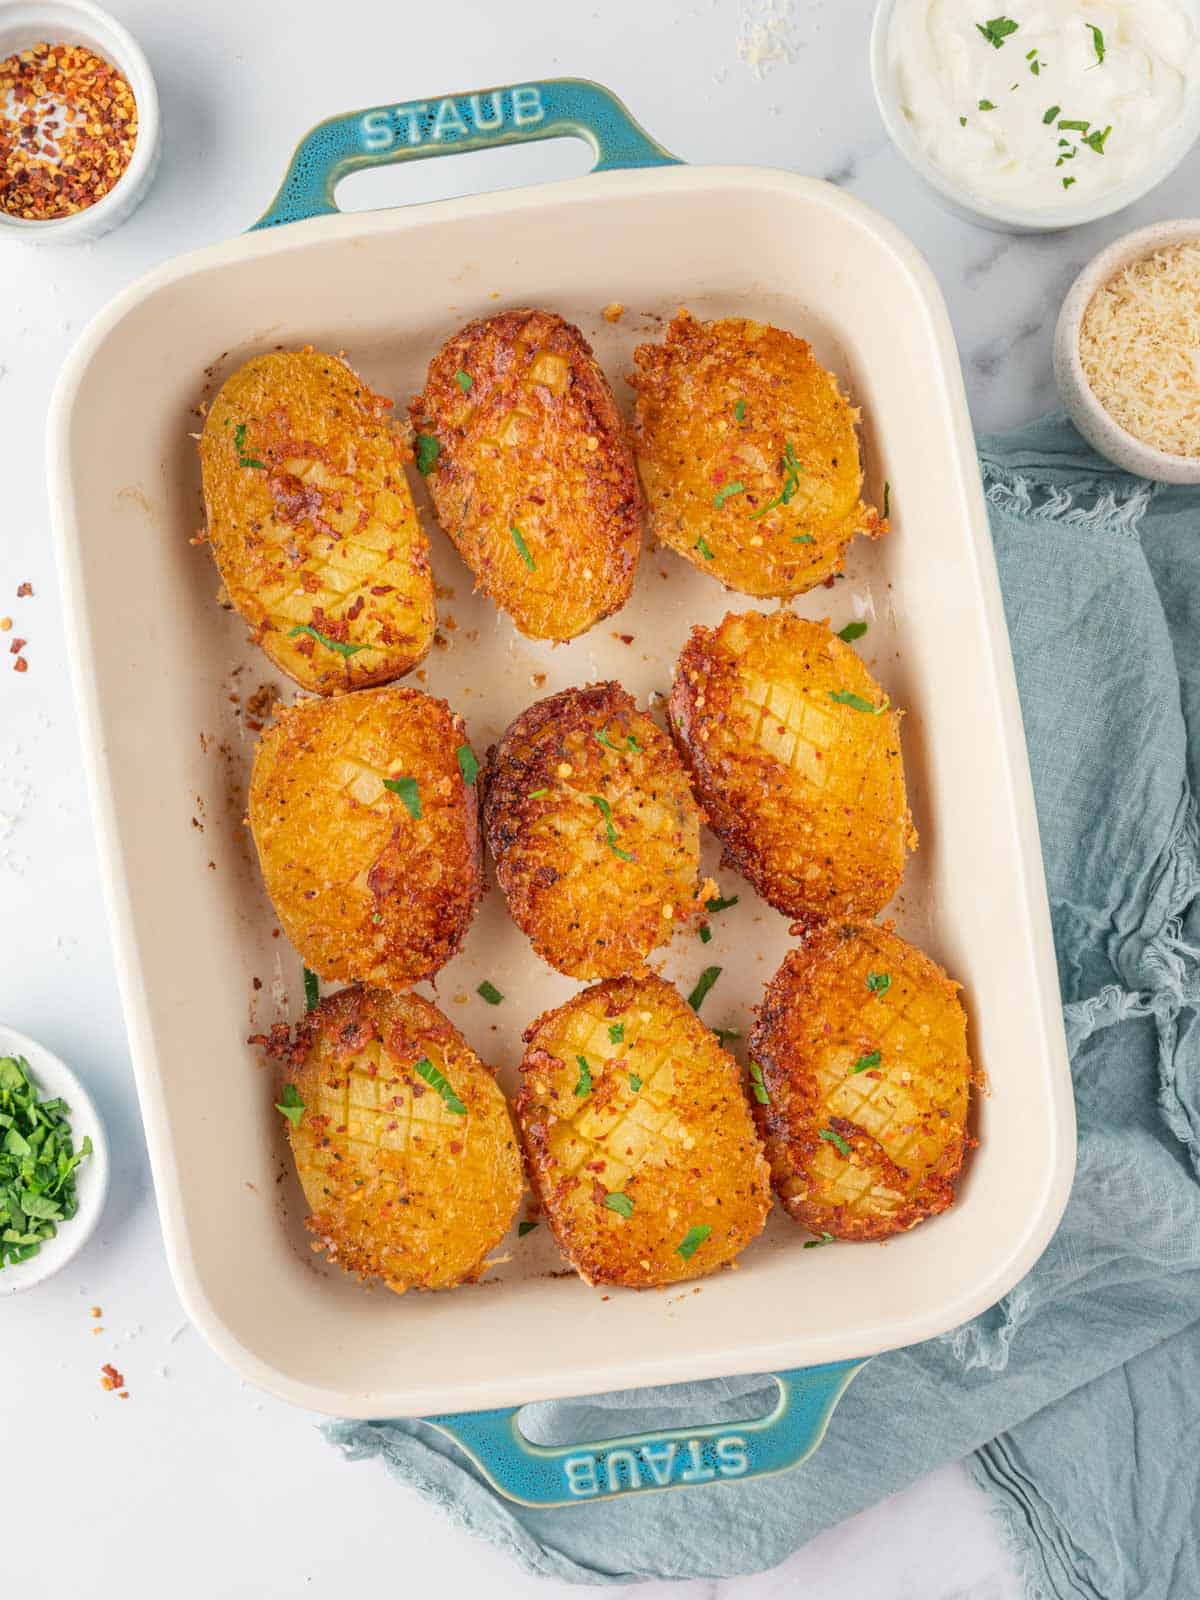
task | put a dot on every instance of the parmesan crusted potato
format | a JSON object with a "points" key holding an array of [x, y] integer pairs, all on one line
{"points": [[311, 522], [368, 833], [528, 463], [795, 756], [748, 456], [593, 829], [640, 1144], [862, 1048], [403, 1142]]}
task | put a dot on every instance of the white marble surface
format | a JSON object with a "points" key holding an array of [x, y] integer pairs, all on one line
{"points": [[196, 1482]]}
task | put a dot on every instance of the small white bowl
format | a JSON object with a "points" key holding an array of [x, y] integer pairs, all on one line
{"points": [[24, 23], [1080, 402], [1010, 219], [53, 1079]]}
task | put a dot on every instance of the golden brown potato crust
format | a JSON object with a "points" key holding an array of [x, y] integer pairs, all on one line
{"points": [[529, 438], [733, 417], [804, 790], [862, 1045], [593, 829], [363, 888], [640, 1144], [406, 1183], [312, 525]]}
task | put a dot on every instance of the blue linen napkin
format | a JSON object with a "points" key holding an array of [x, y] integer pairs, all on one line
{"points": [[1077, 1397]]}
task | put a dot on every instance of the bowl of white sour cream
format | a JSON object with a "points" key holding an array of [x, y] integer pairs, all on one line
{"points": [[1042, 115]]}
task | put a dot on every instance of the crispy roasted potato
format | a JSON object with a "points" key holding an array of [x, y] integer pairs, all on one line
{"points": [[593, 829], [795, 756], [862, 1047], [312, 525], [528, 462], [368, 833], [748, 456], [403, 1142], [640, 1144]]}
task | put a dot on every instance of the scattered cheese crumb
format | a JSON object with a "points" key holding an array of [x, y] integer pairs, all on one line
{"points": [[766, 39], [1140, 348], [614, 311]]}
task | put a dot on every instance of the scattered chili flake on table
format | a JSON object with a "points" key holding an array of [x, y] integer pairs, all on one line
{"points": [[25, 591], [68, 125], [110, 1378], [5, 624]]}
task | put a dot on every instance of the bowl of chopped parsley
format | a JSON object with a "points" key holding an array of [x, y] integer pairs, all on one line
{"points": [[53, 1163]]}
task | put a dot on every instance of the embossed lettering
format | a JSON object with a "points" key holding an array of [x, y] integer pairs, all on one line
{"points": [[732, 1459], [448, 120], [658, 1460], [377, 131], [623, 1459], [486, 124], [581, 1475], [527, 106], [697, 1472], [407, 116]]}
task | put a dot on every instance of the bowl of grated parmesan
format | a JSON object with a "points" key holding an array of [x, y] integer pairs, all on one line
{"points": [[1127, 352]]}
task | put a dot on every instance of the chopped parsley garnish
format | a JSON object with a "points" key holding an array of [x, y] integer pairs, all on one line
{"points": [[37, 1164], [834, 1139], [962, 122], [437, 1080], [852, 631], [518, 539], [616, 1032], [467, 764], [703, 548], [802, 538], [987, 105], [856, 702], [1035, 67], [703, 984], [815, 1244], [620, 1203], [865, 1063], [1076, 127], [720, 904], [463, 380], [1097, 41], [338, 645], [1095, 141], [239, 444], [428, 450], [997, 30], [757, 1087], [887, 498], [635, 1083], [791, 469], [605, 811], [291, 1105], [408, 791], [879, 982], [739, 411], [312, 990], [525, 1227], [536, 794], [1051, 114], [726, 1033], [583, 1084], [489, 992], [692, 1240], [630, 742], [705, 933], [1067, 182], [727, 491]]}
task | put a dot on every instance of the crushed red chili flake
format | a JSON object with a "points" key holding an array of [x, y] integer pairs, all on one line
{"points": [[68, 125], [25, 591], [110, 1378], [20, 664], [17, 646]]}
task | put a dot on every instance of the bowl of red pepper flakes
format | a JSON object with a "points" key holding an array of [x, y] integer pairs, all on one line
{"points": [[79, 126]]}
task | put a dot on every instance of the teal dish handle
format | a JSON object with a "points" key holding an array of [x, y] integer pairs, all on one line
{"points": [[673, 1458], [482, 119]]}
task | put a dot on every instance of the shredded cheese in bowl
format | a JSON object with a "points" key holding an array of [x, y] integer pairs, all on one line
{"points": [[1139, 345]]}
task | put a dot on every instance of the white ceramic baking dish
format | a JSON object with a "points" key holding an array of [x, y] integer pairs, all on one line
{"points": [[157, 666]]}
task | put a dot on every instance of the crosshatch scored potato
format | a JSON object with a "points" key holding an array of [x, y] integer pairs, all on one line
{"points": [[403, 1142], [862, 1046], [368, 833], [311, 522], [747, 452], [593, 829], [795, 755], [529, 466], [640, 1144]]}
